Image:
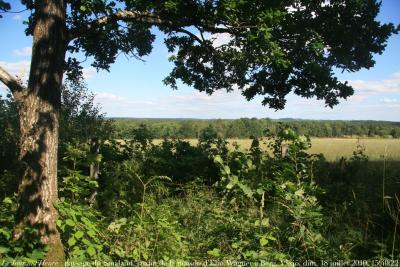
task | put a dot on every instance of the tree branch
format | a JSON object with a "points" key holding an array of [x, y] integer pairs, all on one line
{"points": [[194, 36], [137, 16], [143, 17], [14, 12], [11, 82]]}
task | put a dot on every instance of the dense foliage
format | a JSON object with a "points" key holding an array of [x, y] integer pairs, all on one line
{"points": [[174, 201], [80, 121], [245, 128], [9, 165]]}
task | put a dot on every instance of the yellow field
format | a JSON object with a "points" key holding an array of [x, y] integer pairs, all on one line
{"points": [[334, 148]]}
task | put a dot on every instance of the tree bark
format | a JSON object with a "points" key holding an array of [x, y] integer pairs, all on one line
{"points": [[39, 110], [94, 167]]}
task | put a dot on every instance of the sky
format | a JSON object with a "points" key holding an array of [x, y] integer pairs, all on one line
{"points": [[134, 88]]}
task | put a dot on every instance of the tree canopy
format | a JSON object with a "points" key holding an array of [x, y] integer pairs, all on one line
{"points": [[269, 48]]}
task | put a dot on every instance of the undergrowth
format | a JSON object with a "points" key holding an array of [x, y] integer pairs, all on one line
{"points": [[175, 201]]}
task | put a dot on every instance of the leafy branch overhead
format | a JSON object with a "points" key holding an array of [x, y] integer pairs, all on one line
{"points": [[269, 48]]}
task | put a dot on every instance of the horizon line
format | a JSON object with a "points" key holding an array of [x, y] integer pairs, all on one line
{"points": [[258, 118]]}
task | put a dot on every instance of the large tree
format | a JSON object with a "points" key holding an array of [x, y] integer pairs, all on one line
{"points": [[270, 48]]}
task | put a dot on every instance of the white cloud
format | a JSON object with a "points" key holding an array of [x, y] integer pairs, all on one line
{"points": [[89, 72], [357, 98], [219, 39], [390, 85], [104, 96], [194, 105], [23, 52], [19, 68], [389, 100]]}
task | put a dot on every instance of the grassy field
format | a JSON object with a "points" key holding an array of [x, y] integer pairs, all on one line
{"points": [[334, 148], [376, 149]]}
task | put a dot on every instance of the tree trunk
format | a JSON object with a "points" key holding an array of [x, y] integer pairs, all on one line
{"points": [[39, 112], [94, 167]]}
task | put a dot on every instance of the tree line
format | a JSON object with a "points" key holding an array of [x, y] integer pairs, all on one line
{"points": [[247, 127]]}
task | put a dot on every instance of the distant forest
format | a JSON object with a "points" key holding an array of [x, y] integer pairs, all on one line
{"points": [[246, 127]]}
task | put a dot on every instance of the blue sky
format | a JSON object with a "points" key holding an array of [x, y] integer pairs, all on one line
{"points": [[134, 89]]}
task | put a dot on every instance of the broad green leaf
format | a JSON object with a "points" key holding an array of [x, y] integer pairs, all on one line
{"points": [[17, 249], [79, 234], [5, 233], [4, 250], [215, 252], [263, 241], [86, 242], [36, 254], [7, 200], [70, 222], [299, 192], [246, 190], [71, 241], [91, 251], [265, 222], [227, 170], [230, 185], [218, 159], [91, 233]]}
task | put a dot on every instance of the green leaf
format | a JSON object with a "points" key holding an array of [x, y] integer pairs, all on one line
{"points": [[87, 222], [299, 192], [36, 254], [18, 249], [218, 159], [263, 241], [91, 251], [91, 233], [5, 233], [235, 245], [246, 190], [265, 222], [7, 200], [79, 234], [71, 241], [4, 250], [70, 222], [86, 242], [230, 185], [227, 170], [215, 252]]}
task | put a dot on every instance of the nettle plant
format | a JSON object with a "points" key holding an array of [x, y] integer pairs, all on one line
{"points": [[296, 194], [76, 185], [83, 232], [282, 184], [27, 249]]}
